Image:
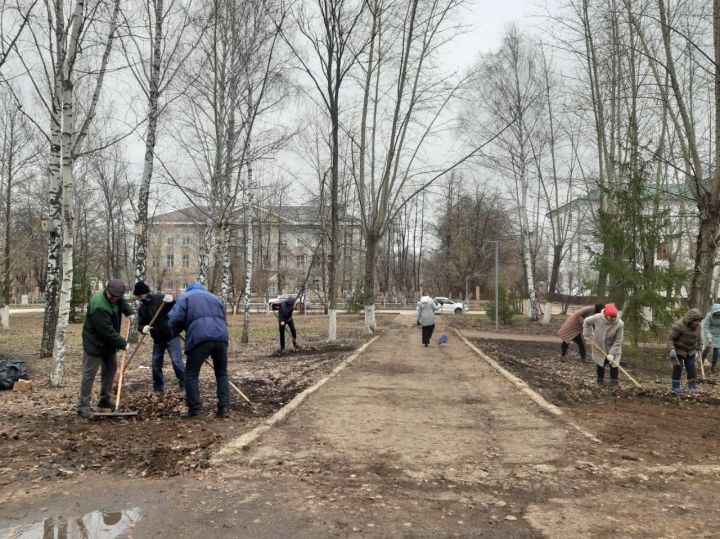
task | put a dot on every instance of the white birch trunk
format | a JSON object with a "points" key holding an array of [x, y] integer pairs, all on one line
{"points": [[206, 248], [54, 199], [534, 313], [141, 240], [225, 276], [58, 366], [370, 324], [248, 257], [68, 193], [332, 325], [54, 202]]}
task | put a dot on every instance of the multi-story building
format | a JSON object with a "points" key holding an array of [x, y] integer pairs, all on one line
{"points": [[576, 272], [290, 246]]}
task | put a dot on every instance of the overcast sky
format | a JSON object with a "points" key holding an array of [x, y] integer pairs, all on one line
{"points": [[487, 22], [489, 19]]}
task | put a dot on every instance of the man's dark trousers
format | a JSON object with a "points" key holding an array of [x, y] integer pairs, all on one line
{"points": [[217, 350], [291, 324]]}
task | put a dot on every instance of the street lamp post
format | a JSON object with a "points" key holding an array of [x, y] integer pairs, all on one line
{"points": [[497, 283]]}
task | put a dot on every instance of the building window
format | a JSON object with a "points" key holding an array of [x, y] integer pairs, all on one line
{"points": [[299, 241], [155, 261], [186, 261], [185, 240], [300, 261], [169, 240], [283, 239], [169, 261], [283, 260]]}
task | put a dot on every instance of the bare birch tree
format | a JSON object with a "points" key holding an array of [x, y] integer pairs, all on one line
{"points": [[73, 139], [169, 33], [19, 150], [405, 100], [509, 89], [332, 30]]}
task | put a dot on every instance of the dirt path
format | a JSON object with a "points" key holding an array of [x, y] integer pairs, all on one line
{"points": [[405, 442]]}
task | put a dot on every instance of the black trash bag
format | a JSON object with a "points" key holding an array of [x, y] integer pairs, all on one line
{"points": [[11, 371]]}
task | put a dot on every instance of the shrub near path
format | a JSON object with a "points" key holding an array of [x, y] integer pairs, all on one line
{"points": [[43, 439]]}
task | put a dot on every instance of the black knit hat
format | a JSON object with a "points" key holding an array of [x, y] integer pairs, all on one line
{"points": [[141, 288]]}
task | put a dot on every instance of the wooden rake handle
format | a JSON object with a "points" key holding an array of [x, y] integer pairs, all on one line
{"points": [[599, 349], [122, 368], [236, 388]]}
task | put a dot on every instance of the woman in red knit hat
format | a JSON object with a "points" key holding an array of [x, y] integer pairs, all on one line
{"points": [[606, 330]]}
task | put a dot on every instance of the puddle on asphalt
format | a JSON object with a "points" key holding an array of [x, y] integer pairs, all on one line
{"points": [[98, 524]]}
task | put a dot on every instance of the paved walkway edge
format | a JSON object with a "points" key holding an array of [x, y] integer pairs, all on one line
{"points": [[242, 442], [520, 384]]}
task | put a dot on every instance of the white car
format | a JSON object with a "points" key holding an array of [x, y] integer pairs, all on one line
{"points": [[448, 306]]}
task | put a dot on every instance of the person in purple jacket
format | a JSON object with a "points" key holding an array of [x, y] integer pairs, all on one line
{"points": [[202, 316]]}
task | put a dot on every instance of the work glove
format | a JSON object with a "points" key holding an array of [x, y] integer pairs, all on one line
{"points": [[131, 318], [282, 323], [673, 355], [167, 298], [611, 359], [146, 330], [127, 347]]}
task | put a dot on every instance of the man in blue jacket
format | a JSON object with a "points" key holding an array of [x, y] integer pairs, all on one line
{"points": [[202, 316]]}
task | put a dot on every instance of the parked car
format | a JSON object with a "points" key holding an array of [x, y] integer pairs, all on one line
{"points": [[274, 303], [449, 306]]}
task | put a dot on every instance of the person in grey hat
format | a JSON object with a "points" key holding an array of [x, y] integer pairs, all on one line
{"points": [[101, 341]]}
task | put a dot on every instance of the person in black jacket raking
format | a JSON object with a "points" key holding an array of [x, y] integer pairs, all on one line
{"points": [[162, 335], [285, 312]]}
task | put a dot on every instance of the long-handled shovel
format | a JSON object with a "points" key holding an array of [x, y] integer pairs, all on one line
{"points": [[702, 367], [115, 412], [599, 349]]}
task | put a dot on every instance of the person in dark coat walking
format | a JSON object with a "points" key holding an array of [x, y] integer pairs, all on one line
{"points": [[683, 343], [162, 335], [285, 320], [202, 316], [101, 340], [572, 329]]}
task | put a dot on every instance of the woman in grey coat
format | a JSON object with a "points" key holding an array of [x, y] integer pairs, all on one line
{"points": [[605, 329], [426, 317]]}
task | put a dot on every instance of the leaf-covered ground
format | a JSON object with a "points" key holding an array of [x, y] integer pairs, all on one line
{"points": [[42, 438], [641, 423]]}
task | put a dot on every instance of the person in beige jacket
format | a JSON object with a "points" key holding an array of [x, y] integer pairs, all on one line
{"points": [[605, 329], [572, 329]]}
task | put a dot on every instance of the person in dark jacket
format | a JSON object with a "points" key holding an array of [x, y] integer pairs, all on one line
{"points": [[162, 335], [285, 320], [202, 316], [101, 340], [683, 343]]}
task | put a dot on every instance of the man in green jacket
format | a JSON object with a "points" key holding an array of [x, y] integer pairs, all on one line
{"points": [[101, 341]]}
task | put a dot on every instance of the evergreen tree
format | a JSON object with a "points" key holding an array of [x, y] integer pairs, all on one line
{"points": [[638, 228]]}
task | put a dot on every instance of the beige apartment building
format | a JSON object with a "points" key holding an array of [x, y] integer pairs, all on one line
{"points": [[289, 243]]}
